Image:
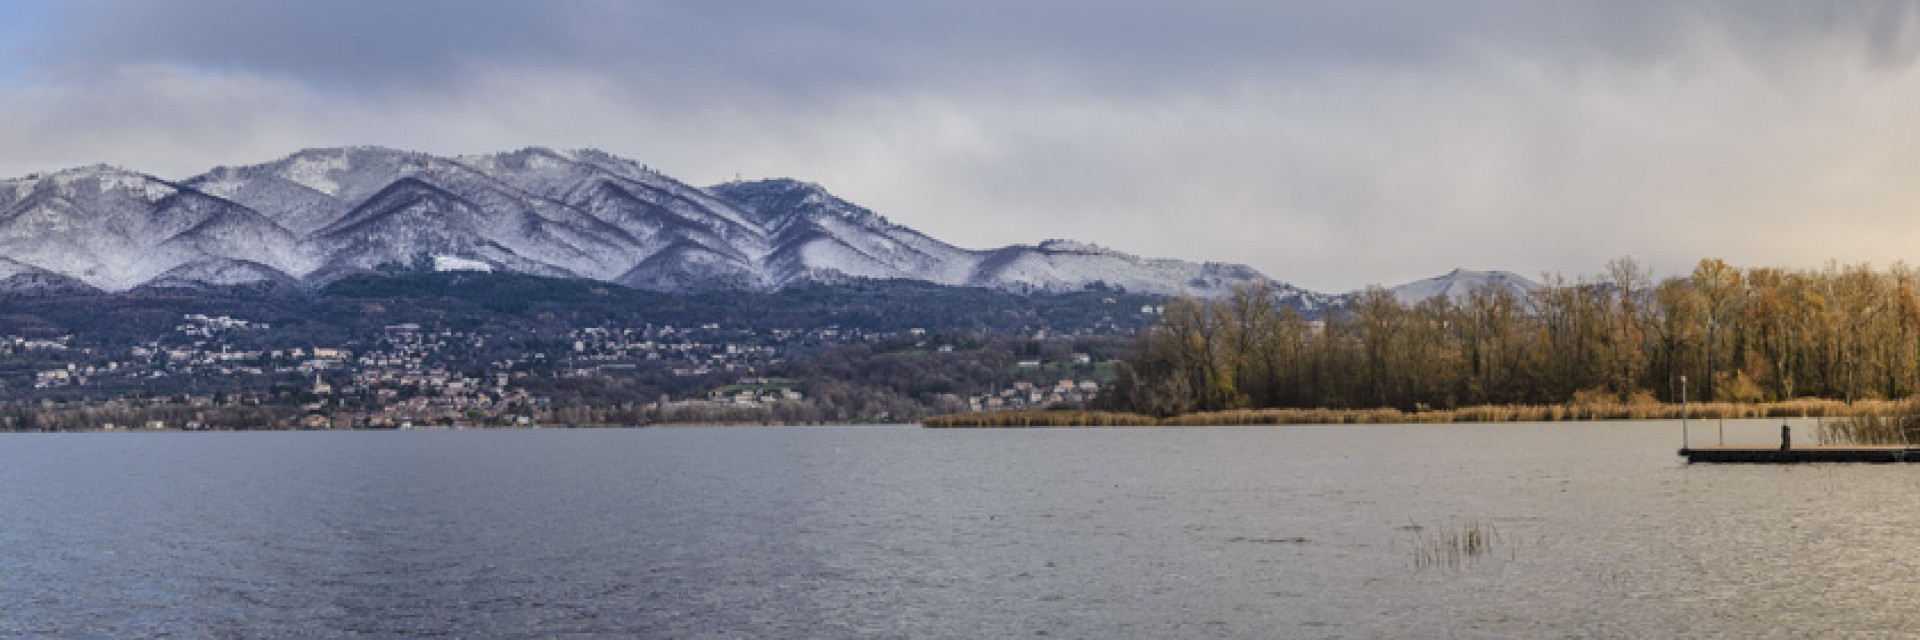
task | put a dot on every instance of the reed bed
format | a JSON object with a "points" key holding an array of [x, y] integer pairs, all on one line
{"points": [[1539, 413], [1040, 419], [1881, 410], [1304, 416], [1895, 423]]}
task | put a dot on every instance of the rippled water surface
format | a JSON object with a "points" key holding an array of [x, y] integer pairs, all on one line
{"points": [[1597, 530]]}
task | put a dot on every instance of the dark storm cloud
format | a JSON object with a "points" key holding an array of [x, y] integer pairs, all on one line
{"points": [[768, 47], [808, 48]]}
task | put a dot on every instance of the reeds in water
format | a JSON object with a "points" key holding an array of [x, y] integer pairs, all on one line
{"points": [[1889, 423], [1454, 548]]}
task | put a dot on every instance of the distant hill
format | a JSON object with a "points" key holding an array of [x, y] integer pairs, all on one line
{"points": [[1456, 285]]}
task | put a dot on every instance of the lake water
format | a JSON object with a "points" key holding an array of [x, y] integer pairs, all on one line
{"points": [[849, 532]]}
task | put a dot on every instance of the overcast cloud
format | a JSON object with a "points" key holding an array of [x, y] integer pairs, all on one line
{"points": [[1330, 144]]}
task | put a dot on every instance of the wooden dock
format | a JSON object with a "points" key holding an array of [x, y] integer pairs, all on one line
{"points": [[1811, 453]]}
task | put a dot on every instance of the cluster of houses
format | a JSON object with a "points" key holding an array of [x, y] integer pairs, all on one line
{"points": [[403, 380], [202, 325], [19, 345], [757, 391], [700, 350], [468, 402], [200, 345], [12, 346], [1027, 395]]}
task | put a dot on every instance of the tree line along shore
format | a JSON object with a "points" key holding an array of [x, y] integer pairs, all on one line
{"points": [[1841, 341]]}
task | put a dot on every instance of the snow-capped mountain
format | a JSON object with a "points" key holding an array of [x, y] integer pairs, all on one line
{"points": [[1458, 284], [321, 214]]}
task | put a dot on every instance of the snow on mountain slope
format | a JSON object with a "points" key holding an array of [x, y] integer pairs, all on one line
{"points": [[1459, 284], [410, 218], [23, 278], [320, 214], [573, 177], [653, 213], [220, 272], [821, 235], [479, 207], [114, 229], [298, 208], [690, 266], [314, 187], [456, 263], [1061, 265]]}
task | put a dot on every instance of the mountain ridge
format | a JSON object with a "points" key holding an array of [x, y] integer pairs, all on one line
{"points": [[316, 215]]}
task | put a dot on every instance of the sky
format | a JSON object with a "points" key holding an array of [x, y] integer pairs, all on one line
{"points": [[1331, 145]]}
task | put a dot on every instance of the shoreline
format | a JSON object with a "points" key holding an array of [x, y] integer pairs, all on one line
{"points": [[522, 427], [1479, 414], [1056, 418]]}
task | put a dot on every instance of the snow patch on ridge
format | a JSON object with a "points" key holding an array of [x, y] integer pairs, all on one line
{"points": [[457, 263], [140, 185], [316, 173]]}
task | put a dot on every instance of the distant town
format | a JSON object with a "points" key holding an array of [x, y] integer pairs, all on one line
{"points": [[218, 371]]}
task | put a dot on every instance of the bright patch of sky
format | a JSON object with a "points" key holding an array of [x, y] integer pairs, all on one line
{"points": [[25, 22], [1330, 144]]}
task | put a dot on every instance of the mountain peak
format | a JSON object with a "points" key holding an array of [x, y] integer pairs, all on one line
{"points": [[76, 181], [1060, 245], [346, 155], [332, 170], [1457, 285], [773, 201], [351, 149], [87, 172], [530, 156]]}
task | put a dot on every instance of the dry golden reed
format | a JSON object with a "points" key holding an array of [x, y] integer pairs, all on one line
{"points": [[1894, 423], [1041, 419]]}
